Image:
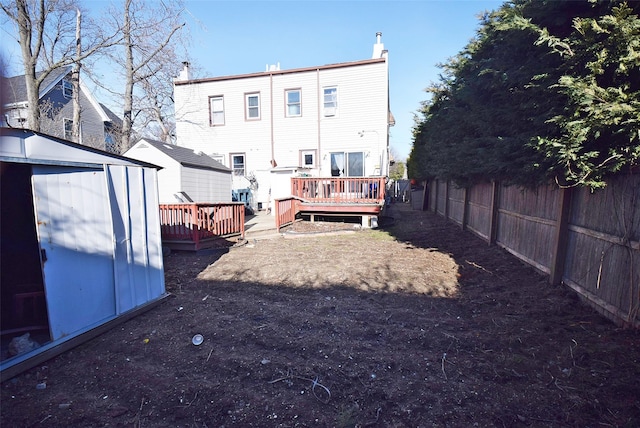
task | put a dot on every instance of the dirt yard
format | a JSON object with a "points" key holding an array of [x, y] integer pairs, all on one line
{"points": [[418, 324]]}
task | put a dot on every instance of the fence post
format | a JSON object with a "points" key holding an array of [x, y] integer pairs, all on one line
{"points": [[465, 209], [446, 199], [560, 239], [425, 196], [493, 222]]}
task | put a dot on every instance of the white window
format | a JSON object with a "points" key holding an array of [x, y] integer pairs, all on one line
{"points": [[308, 158], [252, 106], [68, 129], [216, 111], [67, 88], [330, 101], [237, 163], [294, 103], [347, 164]]}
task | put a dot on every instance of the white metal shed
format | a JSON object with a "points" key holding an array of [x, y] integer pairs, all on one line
{"points": [[80, 243]]}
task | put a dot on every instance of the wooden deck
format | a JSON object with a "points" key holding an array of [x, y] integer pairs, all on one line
{"points": [[199, 225], [357, 196]]}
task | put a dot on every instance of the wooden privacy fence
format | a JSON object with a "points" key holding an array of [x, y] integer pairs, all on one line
{"points": [[195, 226], [588, 241]]}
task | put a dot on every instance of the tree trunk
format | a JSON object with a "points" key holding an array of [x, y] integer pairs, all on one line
{"points": [[76, 136], [29, 61], [129, 70]]}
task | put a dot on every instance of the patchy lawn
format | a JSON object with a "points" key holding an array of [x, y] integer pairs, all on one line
{"points": [[419, 324]]}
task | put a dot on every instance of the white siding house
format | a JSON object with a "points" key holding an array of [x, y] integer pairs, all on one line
{"points": [[186, 176], [322, 121]]}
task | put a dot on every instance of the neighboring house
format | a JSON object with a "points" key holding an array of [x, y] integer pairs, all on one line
{"points": [[323, 121], [80, 244], [186, 176], [98, 125]]}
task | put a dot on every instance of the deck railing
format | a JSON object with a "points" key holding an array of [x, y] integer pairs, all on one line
{"points": [[339, 190], [198, 222], [286, 210]]}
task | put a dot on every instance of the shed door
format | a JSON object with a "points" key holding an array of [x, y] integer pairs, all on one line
{"points": [[75, 231], [139, 273]]}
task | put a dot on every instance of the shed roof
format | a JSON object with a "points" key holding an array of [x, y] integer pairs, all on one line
{"points": [[185, 156], [24, 145]]}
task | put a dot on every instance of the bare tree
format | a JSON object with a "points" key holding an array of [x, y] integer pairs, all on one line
{"points": [[75, 79], [150, 33], [46, 32]]}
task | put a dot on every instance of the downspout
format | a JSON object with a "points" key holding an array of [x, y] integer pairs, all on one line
{"points": [[318, 121], [273, 157]]}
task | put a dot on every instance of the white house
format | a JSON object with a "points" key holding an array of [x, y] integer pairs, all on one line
{"points": [[321, 121], [81, 246], [98, 125], [186, 176]]}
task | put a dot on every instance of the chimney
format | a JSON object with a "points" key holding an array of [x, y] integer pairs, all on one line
{"points": [[184, 74], [272, 67], [378, 48]]}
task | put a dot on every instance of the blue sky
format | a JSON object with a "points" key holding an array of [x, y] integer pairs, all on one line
{"points": [[244, 36], [238, 37]]}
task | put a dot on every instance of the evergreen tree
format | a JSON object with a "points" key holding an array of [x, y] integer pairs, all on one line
{"points": [[546, 90]]}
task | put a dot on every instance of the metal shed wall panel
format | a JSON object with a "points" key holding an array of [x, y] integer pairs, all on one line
{"points": [[138, 265], [74, 229]]}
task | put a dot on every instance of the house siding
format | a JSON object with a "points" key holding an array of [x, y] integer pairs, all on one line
{"points": [[363, 104], [206, 186], [55, 107], [200, 184], [168, 176]]}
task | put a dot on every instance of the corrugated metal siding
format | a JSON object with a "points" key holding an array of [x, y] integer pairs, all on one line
{"points": [[74, 229], [169, 179], [101, 236], [138, 264]]}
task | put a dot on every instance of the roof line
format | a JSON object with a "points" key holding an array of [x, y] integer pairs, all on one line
{"points": [[277, 72], [63, 72]]}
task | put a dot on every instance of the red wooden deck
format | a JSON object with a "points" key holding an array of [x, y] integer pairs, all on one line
{"points": [[331, 196], [198, 225]]}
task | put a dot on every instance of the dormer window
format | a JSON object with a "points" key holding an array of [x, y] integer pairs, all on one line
{"points": [[67, 89]]}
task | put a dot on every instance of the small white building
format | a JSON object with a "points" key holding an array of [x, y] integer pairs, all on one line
{"points": [[81, 246], [320, 121], [186, 176]]}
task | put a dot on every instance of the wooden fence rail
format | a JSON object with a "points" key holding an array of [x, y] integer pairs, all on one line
{"points": [[199, 223], [588, 241], [286, 210]]}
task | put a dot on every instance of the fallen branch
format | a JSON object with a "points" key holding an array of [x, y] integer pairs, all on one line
{"points": [[314, 384], [444, 358]]}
